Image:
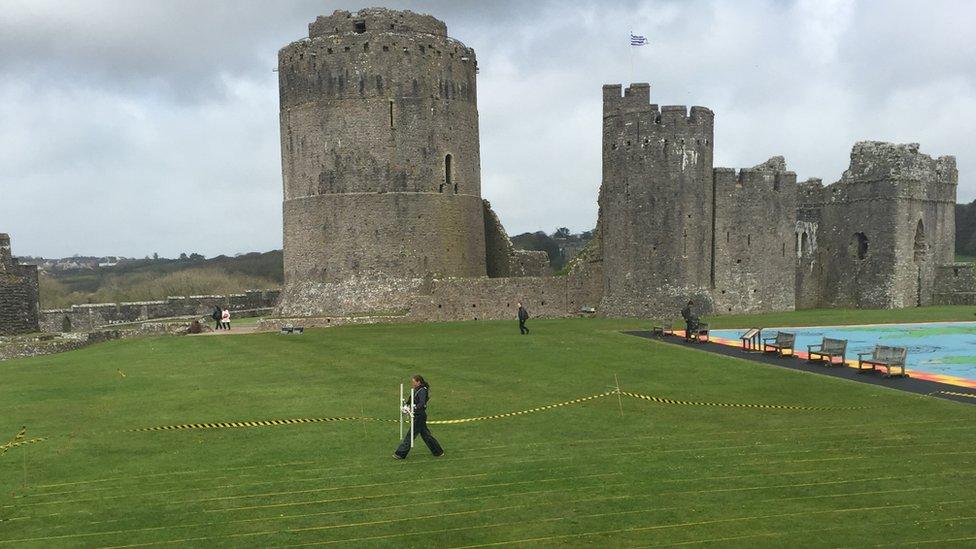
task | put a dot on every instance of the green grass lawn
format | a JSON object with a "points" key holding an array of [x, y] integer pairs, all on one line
{"points": [[603, 473]]}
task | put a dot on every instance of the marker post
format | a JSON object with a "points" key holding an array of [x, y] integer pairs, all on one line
{"points": [[400, 411], [411, 416]]}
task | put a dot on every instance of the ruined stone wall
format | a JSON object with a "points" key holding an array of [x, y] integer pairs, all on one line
{"points": [[809, 271], [655, 204], [88, 317], [754, 243], [954, 284], [18, 293], [380, 150], [502, 259], [882, 229]]}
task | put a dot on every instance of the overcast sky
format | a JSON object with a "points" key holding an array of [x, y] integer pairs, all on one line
{"points": [[132, 127]]}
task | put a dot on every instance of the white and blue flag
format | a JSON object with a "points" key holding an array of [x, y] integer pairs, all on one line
{"points": [[637, 40]]}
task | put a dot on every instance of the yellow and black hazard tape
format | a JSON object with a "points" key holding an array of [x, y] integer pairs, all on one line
{"points": [[521, 412], [967, 395], [256, 423], [16, 443], [663, 400]]}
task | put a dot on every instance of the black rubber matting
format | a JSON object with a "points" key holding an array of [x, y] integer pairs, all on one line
{"points": [[912, 385]]}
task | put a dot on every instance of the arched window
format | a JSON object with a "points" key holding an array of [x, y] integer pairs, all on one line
{"points": [[920, 248], [804, 243]]}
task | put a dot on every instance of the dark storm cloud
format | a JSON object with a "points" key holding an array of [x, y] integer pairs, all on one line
{"points": [[133, 127]]}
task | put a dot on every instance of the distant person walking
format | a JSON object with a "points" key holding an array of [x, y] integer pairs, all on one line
{"points": [[523, 315], [691, 321], [421, 396], [225, 319], [216, 315]]}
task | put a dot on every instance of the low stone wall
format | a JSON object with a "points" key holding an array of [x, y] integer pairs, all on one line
{"points": [[46, 344], [86, 318], [955, 284]]}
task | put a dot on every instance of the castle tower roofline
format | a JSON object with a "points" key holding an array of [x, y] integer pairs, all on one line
{"points": [[373, 20], [618, 100]]}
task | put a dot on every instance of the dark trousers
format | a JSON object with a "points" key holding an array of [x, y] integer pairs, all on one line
{"points": [[420, 428], [522, 329], [217, 327]]}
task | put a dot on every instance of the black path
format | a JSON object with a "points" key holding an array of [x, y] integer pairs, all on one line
{"points": [[909, 384]]}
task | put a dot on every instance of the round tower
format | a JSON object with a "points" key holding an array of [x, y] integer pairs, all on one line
{"points": [[380, 150]]}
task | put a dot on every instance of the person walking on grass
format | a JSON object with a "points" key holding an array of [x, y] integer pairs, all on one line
{"points": [[216, 316], [225, 319], [421, 396], [691, 320], [523, 315]]}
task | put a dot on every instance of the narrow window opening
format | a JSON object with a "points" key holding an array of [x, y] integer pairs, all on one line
{"points": [[447, 170], [391, 113], [920, 247], [360, 27], [860, 245]]}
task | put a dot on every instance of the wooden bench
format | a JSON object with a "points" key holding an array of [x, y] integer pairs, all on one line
{"points": [[783, 342], [751, 339], [698, 333], [663, 329], [292, 329], [885, 357], [827, 350]]}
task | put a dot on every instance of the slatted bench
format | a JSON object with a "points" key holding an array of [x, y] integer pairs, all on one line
{"points": [[662, 329], [827, 350], [292, 330], [885, 357], [699, 332], [780, 344]]}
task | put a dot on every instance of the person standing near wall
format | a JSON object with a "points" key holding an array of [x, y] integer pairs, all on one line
{"points": [[217, 315], [421, 396], [523, 315], [225, 319], [691, 321]]}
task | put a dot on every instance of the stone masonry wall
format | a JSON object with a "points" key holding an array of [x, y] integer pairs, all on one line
{"points": [[954, 284], [18, 293], [502, 259], [85, 318], [380, 151], [655, 204], [754, 245]]}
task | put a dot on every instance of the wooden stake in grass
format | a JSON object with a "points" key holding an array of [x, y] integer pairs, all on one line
{"points": [[620, 402]]}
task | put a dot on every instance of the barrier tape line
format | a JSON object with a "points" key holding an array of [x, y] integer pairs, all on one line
{"points": [[967, 395], [656, 399], [16, 443], [663, 400]]}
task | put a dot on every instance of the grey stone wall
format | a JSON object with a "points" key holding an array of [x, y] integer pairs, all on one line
{"points": [[502, 259], [881, 230], [754, 255], [18, 293], [88, 317], [954, 284], [655, 204], [380, 150]]}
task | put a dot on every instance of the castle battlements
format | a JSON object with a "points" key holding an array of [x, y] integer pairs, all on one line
{"points": [[636, 99], [370, 20]]}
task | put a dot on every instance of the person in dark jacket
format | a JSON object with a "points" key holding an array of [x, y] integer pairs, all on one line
{"points": [[691, 320], [421, 396], [523, 315], [216, 317]]}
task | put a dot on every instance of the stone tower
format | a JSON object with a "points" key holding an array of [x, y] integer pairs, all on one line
{"points": [[18, 293], [874, 238], [380, 151], [655, 204]]}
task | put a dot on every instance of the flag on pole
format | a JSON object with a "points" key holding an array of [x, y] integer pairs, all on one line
{"points": [[637, 40]]}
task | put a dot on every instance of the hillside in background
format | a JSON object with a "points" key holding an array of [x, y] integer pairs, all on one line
{"points": [[966, 231], [561, 246], [94, 280]]}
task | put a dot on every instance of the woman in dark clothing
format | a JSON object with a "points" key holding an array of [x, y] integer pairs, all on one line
{"points": [[421, 396], [216, 317]]}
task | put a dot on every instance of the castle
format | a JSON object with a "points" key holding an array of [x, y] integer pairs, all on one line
{"points": [[18, 293], [383, 215]]}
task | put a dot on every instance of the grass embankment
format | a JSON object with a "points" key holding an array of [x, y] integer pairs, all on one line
{"points": [[655, 474]]}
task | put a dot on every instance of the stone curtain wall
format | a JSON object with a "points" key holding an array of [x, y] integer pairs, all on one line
{"points": [[18, 293], [954, 284], [502, 258], [84, 318], [754, 251]]}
